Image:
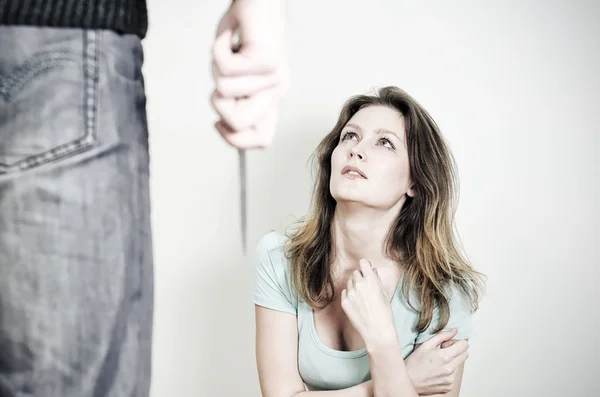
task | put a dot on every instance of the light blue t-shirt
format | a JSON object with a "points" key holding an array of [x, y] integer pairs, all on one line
{"points": [[320, 367]]}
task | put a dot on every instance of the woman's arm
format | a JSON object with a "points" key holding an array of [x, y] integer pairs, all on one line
{"points": [[367, 306], [388, 371], [390, 376], [277, 359]]}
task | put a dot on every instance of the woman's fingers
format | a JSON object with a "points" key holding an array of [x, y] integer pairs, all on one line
{"points": [[365, 267], [457, 362], [458, 348], [448, 343], [439, 338]]}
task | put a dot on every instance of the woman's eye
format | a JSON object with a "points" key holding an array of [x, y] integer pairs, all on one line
{"points": [[386, 142], [349, 134]]}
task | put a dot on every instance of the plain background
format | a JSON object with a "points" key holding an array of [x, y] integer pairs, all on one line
{"points": [[514, 86]]}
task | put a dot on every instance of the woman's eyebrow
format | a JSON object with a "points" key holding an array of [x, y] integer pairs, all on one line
{"points": [[377, 131], [384, 131], [355, 126]]}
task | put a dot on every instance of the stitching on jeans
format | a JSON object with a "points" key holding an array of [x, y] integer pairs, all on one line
{"points": [[91, 74], [13, 83]]}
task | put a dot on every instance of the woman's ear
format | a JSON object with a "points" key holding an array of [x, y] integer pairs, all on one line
{"points": [[411, 191]]}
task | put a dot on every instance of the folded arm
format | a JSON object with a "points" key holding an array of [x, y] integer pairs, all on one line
{"points": [[277, 359]]}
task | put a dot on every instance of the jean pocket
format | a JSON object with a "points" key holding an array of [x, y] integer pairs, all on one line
{"points": [[48, 105]]}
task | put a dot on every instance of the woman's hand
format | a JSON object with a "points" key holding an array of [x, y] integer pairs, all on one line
{"points": [[368, 308], [433, 366]]}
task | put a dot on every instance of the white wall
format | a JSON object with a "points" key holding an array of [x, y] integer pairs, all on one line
{"points": [[514, 85]]}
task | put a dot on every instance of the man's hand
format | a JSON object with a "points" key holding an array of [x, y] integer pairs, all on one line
{"points": [[250, 83]]}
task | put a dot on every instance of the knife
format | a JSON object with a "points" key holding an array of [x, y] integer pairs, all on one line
{"points": [[243, 210], [235, 47]]}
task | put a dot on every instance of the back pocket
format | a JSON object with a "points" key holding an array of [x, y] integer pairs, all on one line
{"points": [[48, 104]]}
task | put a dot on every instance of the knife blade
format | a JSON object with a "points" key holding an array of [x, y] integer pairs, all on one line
{"points": [[236, 45], [243, 206]]}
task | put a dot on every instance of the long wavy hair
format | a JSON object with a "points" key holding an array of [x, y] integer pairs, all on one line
{"points": [[422, 239]]}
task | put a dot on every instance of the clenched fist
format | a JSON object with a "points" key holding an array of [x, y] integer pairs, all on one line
{"points": [[251, 81]]}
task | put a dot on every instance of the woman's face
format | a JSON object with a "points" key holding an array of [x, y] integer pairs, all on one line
{"points": [[370, 164]]}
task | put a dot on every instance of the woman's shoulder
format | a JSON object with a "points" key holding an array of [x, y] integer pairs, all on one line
{"points": [[272, 240], [271, 247], [460, 314], [271, 255], [272, 287]]}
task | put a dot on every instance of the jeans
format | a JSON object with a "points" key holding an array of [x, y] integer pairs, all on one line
{"points": [[76, 267]]}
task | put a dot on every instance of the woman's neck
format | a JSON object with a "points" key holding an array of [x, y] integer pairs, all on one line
{"points": [[360, 233]]}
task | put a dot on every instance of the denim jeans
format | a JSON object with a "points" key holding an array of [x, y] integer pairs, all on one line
{"points": [[76, 269]]}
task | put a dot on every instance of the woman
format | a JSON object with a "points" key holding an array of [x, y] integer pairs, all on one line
{"points": [[373, 273]]}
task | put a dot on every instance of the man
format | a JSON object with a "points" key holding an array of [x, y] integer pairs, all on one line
{"points": [[76, 268]]}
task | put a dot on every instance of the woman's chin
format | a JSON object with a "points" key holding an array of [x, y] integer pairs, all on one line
{"points": [[352, 201]]}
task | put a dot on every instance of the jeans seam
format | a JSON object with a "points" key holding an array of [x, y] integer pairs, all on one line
{"points": [[91, 79], [91, 74], [26, 73]]}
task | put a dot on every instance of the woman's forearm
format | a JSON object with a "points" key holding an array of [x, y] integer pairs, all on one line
{"points": [[364, 389], [388, 371]]}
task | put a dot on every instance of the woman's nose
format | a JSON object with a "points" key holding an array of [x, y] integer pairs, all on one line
{"points": [[356, 151]]}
